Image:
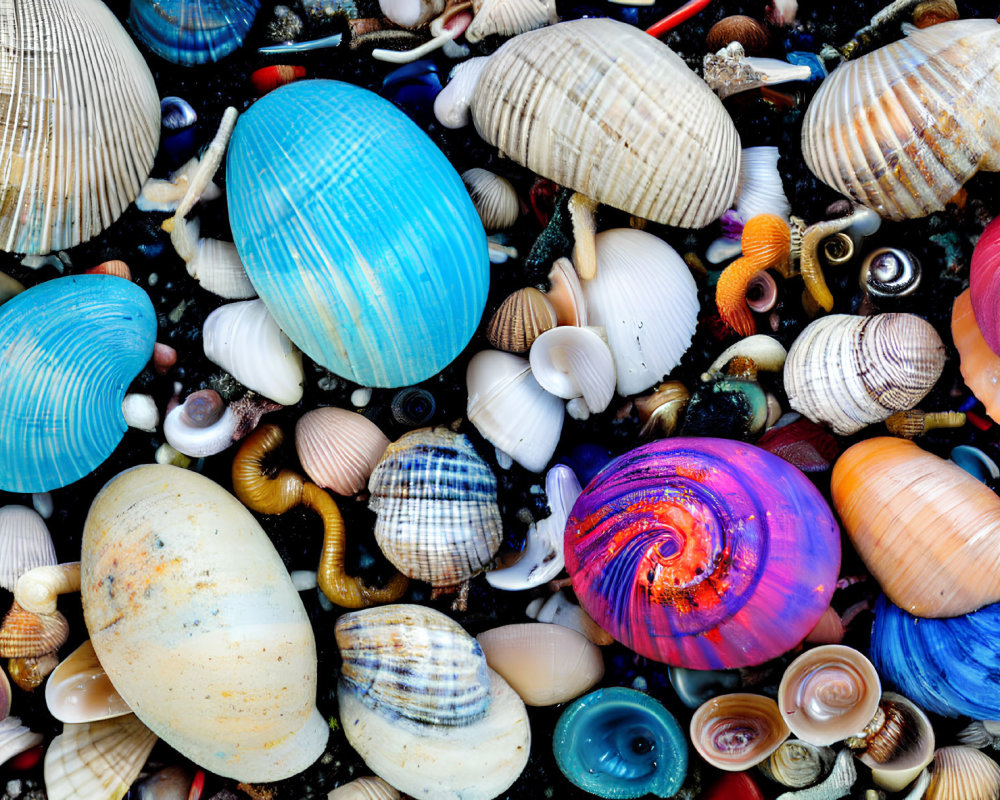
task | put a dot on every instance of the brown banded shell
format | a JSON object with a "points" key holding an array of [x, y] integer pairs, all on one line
{"points": [[25, 635], [522, 317], [435, 498], [338, 448], [737, 731], [25, 543], [849, 372], [750, 33], [901, 129], [413, 662], [963, 773], [602, 108], [897, 744]]}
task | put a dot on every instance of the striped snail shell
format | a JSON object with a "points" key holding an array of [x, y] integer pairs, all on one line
{"points": [[617, 116], [890, 272], [901, 129], [897, 744]]}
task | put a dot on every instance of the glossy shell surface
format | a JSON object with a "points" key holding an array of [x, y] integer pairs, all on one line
{"points": [[379, 281], [734, 732], [657, 142], [984, 284], [68, 350], [196, 621], [979, 364], [189, 32], [703, 553]]}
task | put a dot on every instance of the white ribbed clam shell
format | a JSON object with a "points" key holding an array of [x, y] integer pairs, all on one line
{"points": [[467, 762], [244, 340], [602, 108], [574, 362], [509, 17], [217, 267], [493, 196], [97, 760], [850, 372], [902, 128], [371, 788], [963, 773], [647, 302], [79, 690], [414, 662], [81, 122], [435, 498], [339, 448], [25, 543], [511, 410], [15, 738]]}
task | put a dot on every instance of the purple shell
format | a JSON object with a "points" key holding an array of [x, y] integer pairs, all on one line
{"points": [[703, 553]]}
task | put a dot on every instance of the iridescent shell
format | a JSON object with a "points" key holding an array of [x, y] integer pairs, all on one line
{"points": [[379, 282], [703, 553], [984, 284], [948, 666], [927, 530], [81, 123], [68, 350], [189, 32], [620, 743], [902, 128], [600, 107], [737, 731], [25, 543], [435, 498]]}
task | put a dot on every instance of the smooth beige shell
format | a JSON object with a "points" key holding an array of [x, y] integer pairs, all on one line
{"points": [[25, 543], [963, 773], [737, 731], [901, 129], [493, 196], [604, 109], [849, 372], [81, 122], [545, 664], [79, 690], [196, 621], [338, 448], [521, 318], [97, 760]]}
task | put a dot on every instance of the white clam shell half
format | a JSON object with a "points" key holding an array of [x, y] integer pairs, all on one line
{"points": [[25, 543], [574, 362]]}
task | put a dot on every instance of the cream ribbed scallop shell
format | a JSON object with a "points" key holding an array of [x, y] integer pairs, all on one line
{"points": [[603, 108], [963, 773], [902, 128], [80, 125]]}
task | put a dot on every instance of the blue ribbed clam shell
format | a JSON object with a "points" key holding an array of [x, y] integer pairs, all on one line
{"points": [[948, 666], [190, 32], [356, 232], [68, 350]]}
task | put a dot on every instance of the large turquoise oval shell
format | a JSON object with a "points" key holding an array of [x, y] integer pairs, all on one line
{"points": [[356, 232], [69, 348]]}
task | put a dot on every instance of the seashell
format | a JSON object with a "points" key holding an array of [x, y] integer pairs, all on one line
{"points": [[248, 714], [29, 673], [730, 71], [566, 294], [267, 79], [762, 293], [979, 734], [849, 372], [559, 610], [946, 666], [97, 760], [829, 630], [750, 33], [244, 340], [436, 504], [68, 350], [661, 528], [925, 109], [934, 12], [519, 320], [984, 284], [451, 106], [798, 764], [509, 17], [574, 362], [829, 693], [974, 461], [169, 783], [338, 448], [765, 352], [660, 411], [910, 424], [802, 443], [889, 272], [189, 32], [494, 197], [139, 411], [15, 739], [509, 409], [79, 690], [25, 543], [447, 680], [413, 407], [766, 243], [980, 366], [544, 664], [898, 743], [836, 785], [9, 287], [201, 425], [737, 731], [217, 267], [647, 302], [38, 589], [114, 267], [925, 528], [963, 773], [392, 327], [618, 742], [660, 164], [696, 687], [24, 634], [411, 13], [477, 761], [364, 789], [74, 153]]}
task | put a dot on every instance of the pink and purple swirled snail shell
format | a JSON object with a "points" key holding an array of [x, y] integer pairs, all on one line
{"points": [[703, 553]]}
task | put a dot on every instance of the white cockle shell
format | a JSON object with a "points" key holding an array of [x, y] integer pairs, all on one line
{"points": [[196, 621], [902, 128], [611, 112], [493, 196], [81, 123], [25, 543]]}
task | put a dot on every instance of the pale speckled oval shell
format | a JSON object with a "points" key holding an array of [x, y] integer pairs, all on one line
{"points": [[963, 773], [603, 108], [435, 498], [339, 448], [81, 122], [414, 662], [902, 128], [849, 372], [25, 543]]}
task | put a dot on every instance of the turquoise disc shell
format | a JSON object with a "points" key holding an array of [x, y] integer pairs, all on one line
{"points": [[356, 232]]}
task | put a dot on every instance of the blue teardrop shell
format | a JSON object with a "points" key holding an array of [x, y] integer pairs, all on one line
{"points": [[68, 350], [189, 32], [356, 232]]}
